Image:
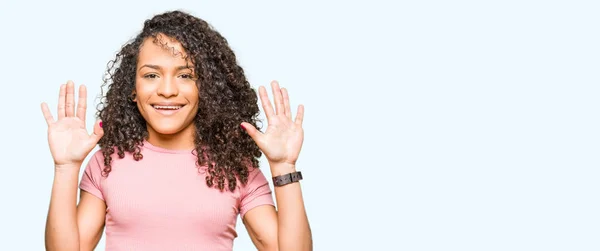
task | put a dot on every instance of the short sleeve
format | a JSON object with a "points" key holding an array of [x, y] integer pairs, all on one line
{"points": [[255, 193], [92, 176]]}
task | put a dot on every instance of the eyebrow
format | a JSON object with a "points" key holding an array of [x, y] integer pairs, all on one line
{"points": [[156, 67]]}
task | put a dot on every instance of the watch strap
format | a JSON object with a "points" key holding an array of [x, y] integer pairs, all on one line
{"points": [[285, 179]]}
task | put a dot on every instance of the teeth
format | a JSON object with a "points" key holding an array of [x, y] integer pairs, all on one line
{"points": [[167, 107]]}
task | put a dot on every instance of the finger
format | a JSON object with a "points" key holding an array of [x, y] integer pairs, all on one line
{"points": [[82, 103], [299, 115], [254, 133], [278, 99], [264, 100], [70, 101], [286, 103], [98, 132], [61, 101], [47, 114]]}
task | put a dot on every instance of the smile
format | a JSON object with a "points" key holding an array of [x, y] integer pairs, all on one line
{"points": [[167, 109]]}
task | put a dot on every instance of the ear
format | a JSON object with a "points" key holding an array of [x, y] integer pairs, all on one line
{"points": [[133, 97]]}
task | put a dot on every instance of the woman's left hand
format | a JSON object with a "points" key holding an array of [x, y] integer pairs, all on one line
{"points": [[282, 140]]}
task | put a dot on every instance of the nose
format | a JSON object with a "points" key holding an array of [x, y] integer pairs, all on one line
{"points": [[168, 88]]}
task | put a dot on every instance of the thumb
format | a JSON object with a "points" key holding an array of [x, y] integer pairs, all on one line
{"points": [[98, 132], [252, 131]]}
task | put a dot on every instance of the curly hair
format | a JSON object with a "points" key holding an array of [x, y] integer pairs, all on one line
{"points": [[225, 100]]}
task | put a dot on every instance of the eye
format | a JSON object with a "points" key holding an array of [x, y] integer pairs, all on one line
{"points": [[186, 76], [150, 75]]}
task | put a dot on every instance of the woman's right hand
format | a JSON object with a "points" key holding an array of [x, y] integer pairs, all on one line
{"points": [[68, 138]]}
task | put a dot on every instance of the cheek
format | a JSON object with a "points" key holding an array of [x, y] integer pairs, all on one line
{"points": [[143, 91], [141, 109], [191, 94]]}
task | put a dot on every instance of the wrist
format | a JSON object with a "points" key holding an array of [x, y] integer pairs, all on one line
{"points": [[278, 169], [67, 168]]}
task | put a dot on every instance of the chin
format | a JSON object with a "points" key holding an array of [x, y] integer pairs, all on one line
{"points": [[169, 129], [170, 125]]}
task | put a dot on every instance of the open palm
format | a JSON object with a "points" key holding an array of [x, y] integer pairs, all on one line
{"points": [[68, 137], [282, 140]]}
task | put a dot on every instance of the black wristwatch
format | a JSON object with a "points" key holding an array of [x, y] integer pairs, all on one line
{"points": [[287, 179]]}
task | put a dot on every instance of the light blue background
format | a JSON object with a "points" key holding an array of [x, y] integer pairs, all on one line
{"points": [[430, 125]]}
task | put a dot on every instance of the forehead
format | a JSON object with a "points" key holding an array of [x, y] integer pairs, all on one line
{"points": [[162, 50]]}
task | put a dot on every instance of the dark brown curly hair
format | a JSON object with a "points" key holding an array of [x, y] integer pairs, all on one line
{"points": [[225, 100]]}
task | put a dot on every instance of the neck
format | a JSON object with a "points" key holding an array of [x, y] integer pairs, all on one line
{"points": [[182, 140]]}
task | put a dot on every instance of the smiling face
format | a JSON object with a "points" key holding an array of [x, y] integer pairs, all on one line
{"points": [[166, 93]]}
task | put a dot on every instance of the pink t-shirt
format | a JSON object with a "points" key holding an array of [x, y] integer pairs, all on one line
{"points": [[162, 202]]}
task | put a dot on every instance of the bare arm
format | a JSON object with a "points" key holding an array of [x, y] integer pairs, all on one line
{"points": [[281, 144], [70, 226], [261, 224], [61, 225], [293, 230], [287, 229], [91, 213]]}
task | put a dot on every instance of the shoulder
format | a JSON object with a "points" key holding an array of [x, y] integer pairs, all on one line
{"points": [[256, 178], [254, 172], [97, 158]]}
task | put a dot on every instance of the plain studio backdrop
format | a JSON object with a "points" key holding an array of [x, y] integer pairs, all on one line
{"points": [[430, 125]]}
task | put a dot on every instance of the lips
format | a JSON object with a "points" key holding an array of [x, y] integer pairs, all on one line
{"points": [[167, 108]]}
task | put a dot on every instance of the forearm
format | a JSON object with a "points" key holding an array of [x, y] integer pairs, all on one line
{"points": [[62, 232], [293, 228]]}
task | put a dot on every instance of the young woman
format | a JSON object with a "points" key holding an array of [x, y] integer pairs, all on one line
{"points": [[179, 148]]}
